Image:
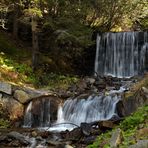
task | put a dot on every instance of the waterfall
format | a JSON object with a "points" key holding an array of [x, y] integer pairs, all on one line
{"points": [[37, 113], [60, 116], [121, 54], [94, 108]]}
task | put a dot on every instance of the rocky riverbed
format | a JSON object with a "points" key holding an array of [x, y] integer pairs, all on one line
{"points": [[15, 99]]}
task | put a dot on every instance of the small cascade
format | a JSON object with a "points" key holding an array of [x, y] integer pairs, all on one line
{"points": [[121, 54], [37, 113], [94, 108]]}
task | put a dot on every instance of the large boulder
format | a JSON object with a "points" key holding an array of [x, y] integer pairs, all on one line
{"points": [[13, 107], [130, 102], [5, 88], [21, 138], [21, 96]]}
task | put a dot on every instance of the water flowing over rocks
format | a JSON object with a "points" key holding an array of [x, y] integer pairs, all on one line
{"points": [[79, 112]]}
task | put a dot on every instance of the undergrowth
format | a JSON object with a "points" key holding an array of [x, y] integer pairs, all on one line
{"points": [[15, 67], [22, 74]]}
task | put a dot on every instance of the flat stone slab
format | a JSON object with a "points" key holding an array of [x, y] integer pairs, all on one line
{"points": [[5, 88]]}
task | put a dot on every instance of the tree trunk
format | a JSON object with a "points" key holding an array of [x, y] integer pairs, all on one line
{"points": [[15, 21], [35, 51]]}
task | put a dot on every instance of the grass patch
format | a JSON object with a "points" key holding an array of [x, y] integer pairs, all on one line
{"points": [[56, 81]]}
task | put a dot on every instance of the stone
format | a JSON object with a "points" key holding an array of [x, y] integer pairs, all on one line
{"points": [[21, 138], [3, 137], [53, 142], [13, 107], [103, 125], [142, 132], [21, 96], [90, 80], [5, 88], [140, 144], [116, 138], [82, 86], [108, 124], [34, 134], [86, 128], [145, 90], [68, 146], [75, 134], [130, 102], [34, 93]]}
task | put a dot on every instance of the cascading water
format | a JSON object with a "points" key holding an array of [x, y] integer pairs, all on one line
{"points": [[74, 111], [37, 114], [121, 54], [94, 108]]}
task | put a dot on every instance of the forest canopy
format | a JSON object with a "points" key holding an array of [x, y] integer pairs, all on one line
{"points": [[105, 15]]}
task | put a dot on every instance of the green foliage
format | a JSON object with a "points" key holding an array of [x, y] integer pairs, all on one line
{"points": [[135, 119], [104, 137], [129, 129]]}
